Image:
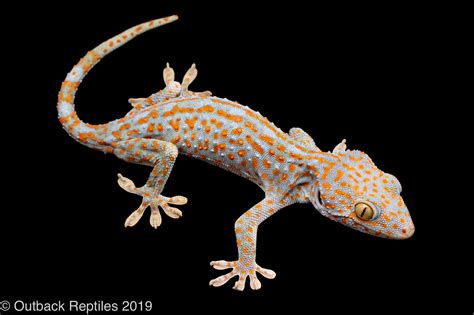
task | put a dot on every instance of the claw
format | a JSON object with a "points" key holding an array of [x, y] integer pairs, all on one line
{"points": [[217, 282], [135, 216], [178, 200], [255, 284], [267, 273], [172, 212], [126, 183], [222, 264], [155, 218], [240, 284]]}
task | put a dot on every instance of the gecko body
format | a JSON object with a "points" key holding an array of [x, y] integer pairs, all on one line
{"points": [[343, 185]]}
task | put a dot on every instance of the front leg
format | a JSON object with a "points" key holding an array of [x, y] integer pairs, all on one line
{"points": [[161, 155], [246, 232]]}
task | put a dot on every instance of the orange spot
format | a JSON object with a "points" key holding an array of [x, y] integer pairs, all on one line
{"points": [[292, 167], [143, 120], [255, 145], [271, 152], [281, 148], [207, 129], [150, 128], [117, 135], [159, 127], [176, 140], [205, 109], [241, 153], [84, 136], [326, 186], [243, 163], [237, 131], [254, 163], [231, 156], [251, 126], [124, 126], [267, 163], [326, 171], [174, 124], [280, 159], [339, 175], [132, 132], [228, 116], [267, 139]]}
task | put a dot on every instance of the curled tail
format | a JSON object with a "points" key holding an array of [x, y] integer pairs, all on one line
{"points": [[91, 135]]}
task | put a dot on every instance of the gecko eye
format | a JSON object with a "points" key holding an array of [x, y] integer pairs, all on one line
{"points": [[365, 212]]}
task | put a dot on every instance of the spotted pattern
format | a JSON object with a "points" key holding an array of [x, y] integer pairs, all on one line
{"points": [[289, 167]]}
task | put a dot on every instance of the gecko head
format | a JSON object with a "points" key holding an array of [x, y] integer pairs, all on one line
{"points": [[351, 190]]}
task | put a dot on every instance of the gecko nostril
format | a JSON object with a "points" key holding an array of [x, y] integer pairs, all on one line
{"points": [[404, 231]]}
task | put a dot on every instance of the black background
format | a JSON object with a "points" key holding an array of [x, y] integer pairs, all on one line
{"points": [[338, 72]]}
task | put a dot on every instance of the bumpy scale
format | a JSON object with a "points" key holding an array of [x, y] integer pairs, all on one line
{"points": [[343, 185]]}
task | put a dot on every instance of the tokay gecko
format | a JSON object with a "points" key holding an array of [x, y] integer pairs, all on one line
{"points": [[343, 185]]}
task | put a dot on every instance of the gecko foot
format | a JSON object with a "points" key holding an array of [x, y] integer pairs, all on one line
{"points": [[243, 272], [153, 201]]}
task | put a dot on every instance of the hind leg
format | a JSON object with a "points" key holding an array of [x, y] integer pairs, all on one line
{"points": [[161, 155]]}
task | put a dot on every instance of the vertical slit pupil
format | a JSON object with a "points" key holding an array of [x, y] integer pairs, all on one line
{"points": [[363, 212]]}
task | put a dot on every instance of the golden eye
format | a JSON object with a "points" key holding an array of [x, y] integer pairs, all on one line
{"points": [[364, 211]]}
